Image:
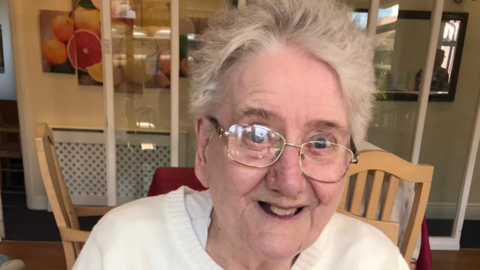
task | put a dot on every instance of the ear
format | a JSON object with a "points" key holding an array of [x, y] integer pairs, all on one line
{"points": [[203, 132]]}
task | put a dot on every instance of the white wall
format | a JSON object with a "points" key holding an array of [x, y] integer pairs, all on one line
{"points": [[7, 79]]}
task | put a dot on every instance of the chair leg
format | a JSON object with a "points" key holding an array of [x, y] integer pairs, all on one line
{"points": [[69, 251]]}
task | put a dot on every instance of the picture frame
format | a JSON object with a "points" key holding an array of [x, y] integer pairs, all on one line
{"points": [[399, 71]]}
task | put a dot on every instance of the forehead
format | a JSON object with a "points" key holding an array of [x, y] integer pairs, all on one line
{"points": [[287, 87]]}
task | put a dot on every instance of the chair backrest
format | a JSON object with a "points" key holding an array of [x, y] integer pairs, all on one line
{"points": [[389, 169], [167, 179], [56, 189]]}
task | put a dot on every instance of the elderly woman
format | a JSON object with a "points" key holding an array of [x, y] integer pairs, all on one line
{"points": [[281, 91]]}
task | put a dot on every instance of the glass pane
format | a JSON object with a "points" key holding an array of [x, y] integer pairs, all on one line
{"points": [[194, 15], [142, 62], [397, 59], [449, 124], [141, 66]]}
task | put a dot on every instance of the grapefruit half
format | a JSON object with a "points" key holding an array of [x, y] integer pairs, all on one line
{"points": [[84, 49]]}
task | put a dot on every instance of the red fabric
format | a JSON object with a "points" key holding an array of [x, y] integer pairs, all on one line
{"points": [[167, 179], [425, 261]]}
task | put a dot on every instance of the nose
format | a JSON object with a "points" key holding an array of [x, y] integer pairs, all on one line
{"points": [[286, 175]]}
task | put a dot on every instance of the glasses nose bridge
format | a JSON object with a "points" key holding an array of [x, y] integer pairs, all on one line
{"points": [[299, 147]]}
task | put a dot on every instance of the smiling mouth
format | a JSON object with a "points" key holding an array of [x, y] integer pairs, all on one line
{"points": [[279, 212]]}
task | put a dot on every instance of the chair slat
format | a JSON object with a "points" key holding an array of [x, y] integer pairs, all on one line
{"points": [[358, 193], [74, 235], [387, 207], [90, 211], [343, 199], [422, 192], [375, 195]]}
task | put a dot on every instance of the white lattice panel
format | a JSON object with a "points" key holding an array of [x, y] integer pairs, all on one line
{"points": [[84, 168]]}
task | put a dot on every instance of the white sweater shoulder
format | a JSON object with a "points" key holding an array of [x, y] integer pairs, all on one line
{"points": [[146, 234]]}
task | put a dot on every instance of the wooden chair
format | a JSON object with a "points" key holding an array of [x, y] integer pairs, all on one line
{"points": [[66, 214], [393, 168]]}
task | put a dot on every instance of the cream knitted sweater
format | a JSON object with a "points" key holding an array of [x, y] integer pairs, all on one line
{"points": [[157, 233]]}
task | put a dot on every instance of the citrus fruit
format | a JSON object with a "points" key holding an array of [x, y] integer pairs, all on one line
{"points": [[62, 27], [96, 72], [55, 52], [84, 49], [87, 19], [97, 4]]}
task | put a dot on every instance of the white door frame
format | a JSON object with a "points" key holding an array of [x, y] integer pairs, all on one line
{"points": [[174, 81], [109, 104]]}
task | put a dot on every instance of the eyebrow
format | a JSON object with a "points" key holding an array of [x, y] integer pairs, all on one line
{"points": [[258, 112], [329, 125]]}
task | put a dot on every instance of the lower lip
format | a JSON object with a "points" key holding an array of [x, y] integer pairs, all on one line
{"points": [[289, 217]]}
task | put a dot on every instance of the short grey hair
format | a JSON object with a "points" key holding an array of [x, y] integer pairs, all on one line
{"points": [[322, 28]]}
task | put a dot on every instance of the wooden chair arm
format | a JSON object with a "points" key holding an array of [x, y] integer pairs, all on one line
{"points": [[72, 235], [89, 211]]}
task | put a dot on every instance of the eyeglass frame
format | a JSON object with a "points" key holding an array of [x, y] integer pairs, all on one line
{"points": [[223, 133]]}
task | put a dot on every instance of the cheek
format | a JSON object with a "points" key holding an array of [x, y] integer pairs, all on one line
{"points": [[228, 177], [328, 194]]}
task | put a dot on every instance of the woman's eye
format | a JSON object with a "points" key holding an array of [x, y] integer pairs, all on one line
{"points": [[259, 136], [320, 143]]}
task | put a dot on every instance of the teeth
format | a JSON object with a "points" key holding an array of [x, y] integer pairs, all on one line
{"points": [[282, 212]]}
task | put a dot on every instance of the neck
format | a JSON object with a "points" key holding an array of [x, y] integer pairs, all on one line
{"points": [[229, 255]]}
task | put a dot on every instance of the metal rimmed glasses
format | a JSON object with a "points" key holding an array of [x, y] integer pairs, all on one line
{"points": [[259, 147]]}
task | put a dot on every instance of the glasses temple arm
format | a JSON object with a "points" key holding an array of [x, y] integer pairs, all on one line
{"points": [[353, 147]]}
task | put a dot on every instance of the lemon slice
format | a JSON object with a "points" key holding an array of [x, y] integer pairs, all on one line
{"points": [[96, 72]]}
